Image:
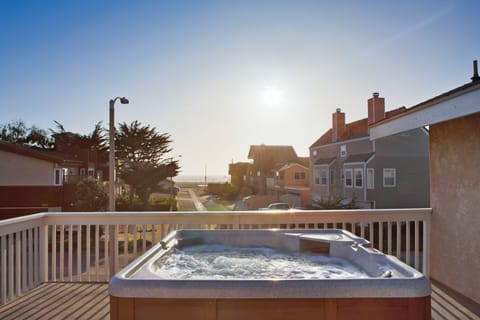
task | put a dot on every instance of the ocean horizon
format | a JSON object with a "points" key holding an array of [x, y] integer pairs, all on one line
{"points": [[201, 178]]}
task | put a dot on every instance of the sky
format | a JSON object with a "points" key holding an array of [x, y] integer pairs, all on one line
{"points": [[219, 76]]}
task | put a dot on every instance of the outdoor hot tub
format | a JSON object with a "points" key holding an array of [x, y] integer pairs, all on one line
{"points": [[267, 274]]}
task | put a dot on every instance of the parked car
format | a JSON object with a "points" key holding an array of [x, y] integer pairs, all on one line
{"points": [[277, 206]]}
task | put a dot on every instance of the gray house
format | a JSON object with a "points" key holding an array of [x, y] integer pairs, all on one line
{"points": [[391, 172]]}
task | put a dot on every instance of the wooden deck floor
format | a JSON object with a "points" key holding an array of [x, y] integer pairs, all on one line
{"points": [[61, 301], [91, 301]]}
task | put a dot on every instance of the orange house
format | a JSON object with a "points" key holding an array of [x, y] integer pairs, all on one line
{"points": [[292, 184]]}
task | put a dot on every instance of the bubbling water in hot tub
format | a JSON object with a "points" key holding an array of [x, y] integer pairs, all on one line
{"points": [[222, 262]]}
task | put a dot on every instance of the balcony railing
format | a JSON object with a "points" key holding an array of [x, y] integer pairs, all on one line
{"points": [[91, 247]]}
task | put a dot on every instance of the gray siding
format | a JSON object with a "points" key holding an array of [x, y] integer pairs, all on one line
{"points": [[406, 152]]}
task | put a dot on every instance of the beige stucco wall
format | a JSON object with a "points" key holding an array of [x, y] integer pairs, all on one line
{"points": [[455, 199], [20, 170]]}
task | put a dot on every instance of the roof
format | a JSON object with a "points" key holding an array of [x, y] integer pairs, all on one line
{"points": [[360, 157], [324, 161], [353, 130], [456, 103], [37, 153], [304, 161], [290, 165], [280, 152]]}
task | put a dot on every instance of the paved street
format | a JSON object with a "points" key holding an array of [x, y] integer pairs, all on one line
{"points": [[187, 199]]}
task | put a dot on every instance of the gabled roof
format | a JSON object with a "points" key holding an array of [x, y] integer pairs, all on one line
{"points": [[360, 157], [353, 130], [37, 153], [291, 165]]}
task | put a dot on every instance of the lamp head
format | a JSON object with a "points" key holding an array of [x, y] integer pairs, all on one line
{"points": [[124, 100]]}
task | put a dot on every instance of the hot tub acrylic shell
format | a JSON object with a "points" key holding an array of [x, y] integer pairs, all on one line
{"points": [[136, 292]]}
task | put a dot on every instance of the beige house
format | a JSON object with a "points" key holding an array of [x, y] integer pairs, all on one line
{"points": [[35, 180], [26, 166], [453, 119]]}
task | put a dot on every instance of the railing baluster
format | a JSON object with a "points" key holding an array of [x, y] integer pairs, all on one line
{"points": [[407, 243], [399, 240], [417, 245], [106, 260], [87, 256], [18, 263], [62, 253], [3, 270], [42, 253], [97, 252], [125, 245], [389, 235], [54, 253], [31, 285], [135, 233], [116, 261], [70, 252], [362, 230], [380, 236], [144, 238], [79, 252], [10, 267], [24, 261], [371, 238], [154, 238], [36, 262], [426, 247]]}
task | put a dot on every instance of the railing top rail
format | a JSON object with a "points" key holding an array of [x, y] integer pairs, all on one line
{"points": [[11, 221], [250, 212], [237, 217], [9, 226], [360, 215]]}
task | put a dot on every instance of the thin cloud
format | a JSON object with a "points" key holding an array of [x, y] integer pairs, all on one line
{"points": [[412, 29]]}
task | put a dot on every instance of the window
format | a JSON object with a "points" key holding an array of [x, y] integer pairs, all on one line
{"points": [[370, 178], [316, 175], [343, 150], [91, 172], [57, 177], [72, 172], [358, 178], [314, 153], [348, 178], [299, 175], [82, 171], [323, 177], [389, 177], [281, 175]]}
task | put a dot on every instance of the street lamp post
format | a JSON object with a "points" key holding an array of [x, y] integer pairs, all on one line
{"points": [[111, 185], [111, 158]]}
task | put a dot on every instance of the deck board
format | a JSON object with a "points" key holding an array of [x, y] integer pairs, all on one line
{"points": [[61, 301], [91, 301]]}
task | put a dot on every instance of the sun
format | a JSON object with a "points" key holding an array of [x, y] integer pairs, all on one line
{"points": [[272, 96]]}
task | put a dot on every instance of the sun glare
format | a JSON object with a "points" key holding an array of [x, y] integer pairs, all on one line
{"points": [[272, 96]]}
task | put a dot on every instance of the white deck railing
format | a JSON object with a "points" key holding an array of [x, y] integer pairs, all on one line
{"points": [[90, 247]]}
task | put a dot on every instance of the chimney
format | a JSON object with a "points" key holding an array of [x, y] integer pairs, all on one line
{"points": [[475, 71], [376, 108], [338, 125]]}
